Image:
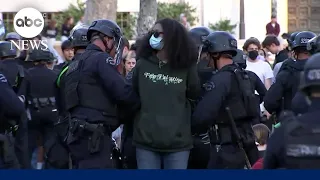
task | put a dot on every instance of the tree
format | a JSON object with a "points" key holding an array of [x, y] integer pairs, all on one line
{"points": [[127, 22], [223, 25], [173, 10], [147, 16], [76, 11], [100, 9]]}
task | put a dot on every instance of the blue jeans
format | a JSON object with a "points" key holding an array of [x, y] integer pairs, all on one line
{"points": [[153, 160]]}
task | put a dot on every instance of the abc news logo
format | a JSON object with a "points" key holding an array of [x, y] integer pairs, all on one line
{"points": [[29, 23]]}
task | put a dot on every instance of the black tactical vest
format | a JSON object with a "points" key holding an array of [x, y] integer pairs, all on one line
{"points": [[241, 99], [302, 146], [86, 90], [41, 94]]}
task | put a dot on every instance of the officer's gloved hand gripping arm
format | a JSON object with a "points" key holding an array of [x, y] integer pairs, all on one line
{"points": [[273, 98], [208, 108], [119, 89], [10, 104]]}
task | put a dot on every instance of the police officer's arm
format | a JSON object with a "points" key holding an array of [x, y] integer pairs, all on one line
{"points": [[273, 98], [208, 108], [10, 104], [119, 89], [275, 149], [193, 83], [258, 85]]}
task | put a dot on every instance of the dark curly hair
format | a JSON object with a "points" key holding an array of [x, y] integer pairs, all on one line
{"points": [[251, 40], [178, 45]]}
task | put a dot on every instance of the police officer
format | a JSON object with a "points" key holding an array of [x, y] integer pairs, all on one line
{"points": [[229, 100], [279, 96], [199, 155], [15, 37], [41, 99], [295, 144], [17, 78], [79, 41], [93, 90], [240, 59], [11, 108]]}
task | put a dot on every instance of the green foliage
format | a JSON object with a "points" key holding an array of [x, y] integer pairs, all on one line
{"points": [[126, 21], [223, 25], [173, 10], [76, 11]]}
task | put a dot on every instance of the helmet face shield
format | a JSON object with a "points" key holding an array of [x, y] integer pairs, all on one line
{"points": [[119, 46]]}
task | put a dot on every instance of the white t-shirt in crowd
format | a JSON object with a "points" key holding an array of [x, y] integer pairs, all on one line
{"points": [[263, 70]]}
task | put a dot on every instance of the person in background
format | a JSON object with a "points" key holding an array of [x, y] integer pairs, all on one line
{"points": [[50, 33], [262, 133], [273, 27], [184, 21], [261, 68], [129, 62], [80, 22], [66, 28], [166, 72], [68, 53]]}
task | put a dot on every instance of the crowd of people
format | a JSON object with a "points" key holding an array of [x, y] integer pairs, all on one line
{"points": [[176, 99]]}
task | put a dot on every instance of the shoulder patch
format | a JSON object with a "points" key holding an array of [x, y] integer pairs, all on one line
{"points": [[208, 86], [3, 79], [110, 60]]}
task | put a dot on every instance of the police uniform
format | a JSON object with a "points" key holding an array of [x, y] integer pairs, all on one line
{"points": [[279, 96], [18, 79], [93, 90], [199, 155], [78, 38], [11, 108], [41, 100], [226, 103], [240, 59], [295, 144]]}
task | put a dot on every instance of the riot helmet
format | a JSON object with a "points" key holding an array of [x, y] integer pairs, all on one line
{"points": [[198, 35], [6, 50], [240, 59], [41, 55], [12, 36], [301, 39], [313, 45], [105, 28], [78, 36], [221, 42], [291, 39], [310, 77]]}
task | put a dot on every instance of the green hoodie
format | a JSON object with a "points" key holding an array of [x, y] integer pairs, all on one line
{"points": [[163, 123]]}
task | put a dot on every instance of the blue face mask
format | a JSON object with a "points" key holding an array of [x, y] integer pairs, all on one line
{"points": [[156, 43]]}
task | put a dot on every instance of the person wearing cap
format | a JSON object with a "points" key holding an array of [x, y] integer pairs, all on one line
{"points": [[94, 91]]}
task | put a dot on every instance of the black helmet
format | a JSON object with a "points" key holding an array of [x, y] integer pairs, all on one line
{"points": [[240, 59], [302, 38], [199, 34], [291, 39], [41, 55], [12, 36], [221, 41], [314, 45], [106, 27], [6, 50], [78, 36], [311, 74]]}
